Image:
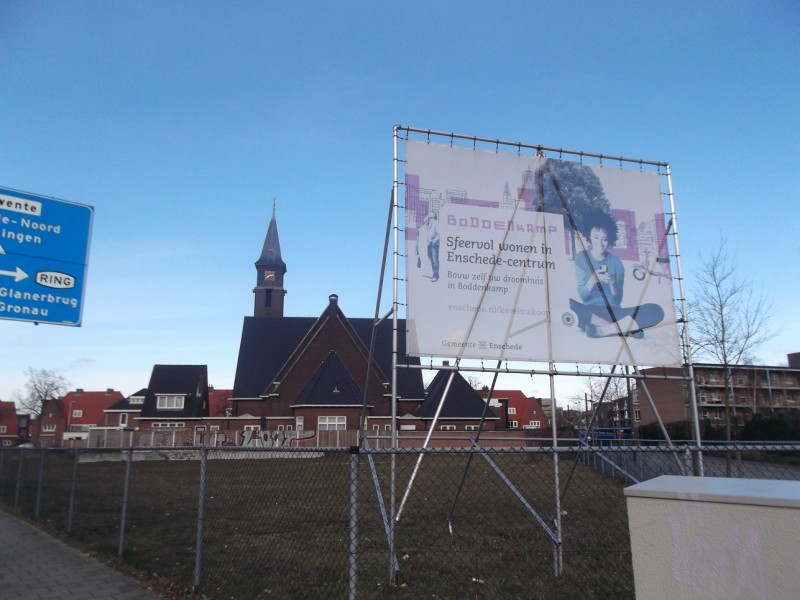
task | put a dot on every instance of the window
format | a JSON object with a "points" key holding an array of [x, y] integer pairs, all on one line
{"points": [[471, 428], [331, 423], [448, 428], [48, 428], [713, 377], [169, 425], [387, 427], [408, 427], [77, 413], [513, 424], [376, 428], [535, 425], [200, 428], [136, 400], [740, 380], [637, 414], [170, 402], [512, 410], [252, 428], [703, 398], [280, 427], [213, 428], [298, 423], [3, 428], [123, 419]]}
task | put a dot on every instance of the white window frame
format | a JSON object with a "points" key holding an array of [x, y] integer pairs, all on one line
{"points": [[470, 428], [512, 410], [48, 428], [168, 425], [136, 400], [331, 423], [299, 423], [123, 419], [447, 428], [169, 402], [3, 428], [514, 424]]}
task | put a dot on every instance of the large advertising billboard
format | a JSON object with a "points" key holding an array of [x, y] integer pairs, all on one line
{"points": [[527, 258]]}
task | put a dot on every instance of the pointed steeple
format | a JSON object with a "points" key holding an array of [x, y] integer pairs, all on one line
{"points": [[271, 252], [270, 270]]}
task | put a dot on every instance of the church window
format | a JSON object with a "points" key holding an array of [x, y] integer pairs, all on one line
{"points": [[326, 423]]}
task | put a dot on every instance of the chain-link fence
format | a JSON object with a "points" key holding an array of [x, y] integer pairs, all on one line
{"points": [[316, 523]]}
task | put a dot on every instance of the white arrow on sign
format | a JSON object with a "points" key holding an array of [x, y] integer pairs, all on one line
{"points": [[18, 275]]}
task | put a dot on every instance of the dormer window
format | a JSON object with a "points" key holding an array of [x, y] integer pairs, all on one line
{"points": [[136, 400], [170, 402]]}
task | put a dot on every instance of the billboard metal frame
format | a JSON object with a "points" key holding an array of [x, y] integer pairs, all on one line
{"points": [[394, 230]]}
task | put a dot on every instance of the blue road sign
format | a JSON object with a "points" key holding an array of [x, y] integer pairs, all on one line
{"points": [[44, 252]]}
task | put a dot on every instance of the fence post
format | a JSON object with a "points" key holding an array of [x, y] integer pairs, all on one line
{"points": [[201, 510], [353, 547], [72, 488], [19, 478], [124, 513], [39, 486]]}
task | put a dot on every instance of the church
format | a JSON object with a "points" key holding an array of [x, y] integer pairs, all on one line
{"points": [[301, 380], [310, 373]]}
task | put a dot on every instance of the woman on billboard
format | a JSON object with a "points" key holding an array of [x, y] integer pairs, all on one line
{"points": [[601, 280]]}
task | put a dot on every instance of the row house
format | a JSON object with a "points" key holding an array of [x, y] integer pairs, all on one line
{"points": [[14, 428], [67, 421], [517, 410]]}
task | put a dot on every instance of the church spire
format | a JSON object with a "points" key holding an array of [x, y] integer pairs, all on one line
{"points": [[270, 270]]}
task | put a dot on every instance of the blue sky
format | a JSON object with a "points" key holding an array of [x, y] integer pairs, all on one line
{"points": [[180, 122]]}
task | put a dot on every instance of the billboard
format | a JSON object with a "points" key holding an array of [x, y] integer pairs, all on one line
{"points": [[527, 258]]}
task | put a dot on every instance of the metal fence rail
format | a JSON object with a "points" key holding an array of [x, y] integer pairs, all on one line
{"points": [[317, 522]]}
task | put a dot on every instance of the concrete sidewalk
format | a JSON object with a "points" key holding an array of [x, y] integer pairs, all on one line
{"points": [[36, 566]]}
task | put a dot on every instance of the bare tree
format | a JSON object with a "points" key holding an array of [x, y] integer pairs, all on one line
{"points": [[608, 390], [728, 319], [42, 385], [474, 382]]}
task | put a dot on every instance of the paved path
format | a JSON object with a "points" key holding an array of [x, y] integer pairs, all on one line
{"points": [[36, 566]]}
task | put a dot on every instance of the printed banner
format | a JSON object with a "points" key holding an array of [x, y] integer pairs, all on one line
{"points": [[533, 259]]}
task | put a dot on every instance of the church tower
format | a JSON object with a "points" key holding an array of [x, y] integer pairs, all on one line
{"points": [[270, 270]]}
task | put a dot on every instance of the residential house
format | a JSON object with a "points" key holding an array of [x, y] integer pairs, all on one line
{"points": [[68, 420], [13, 427], [176, 398], [521, 411]]}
